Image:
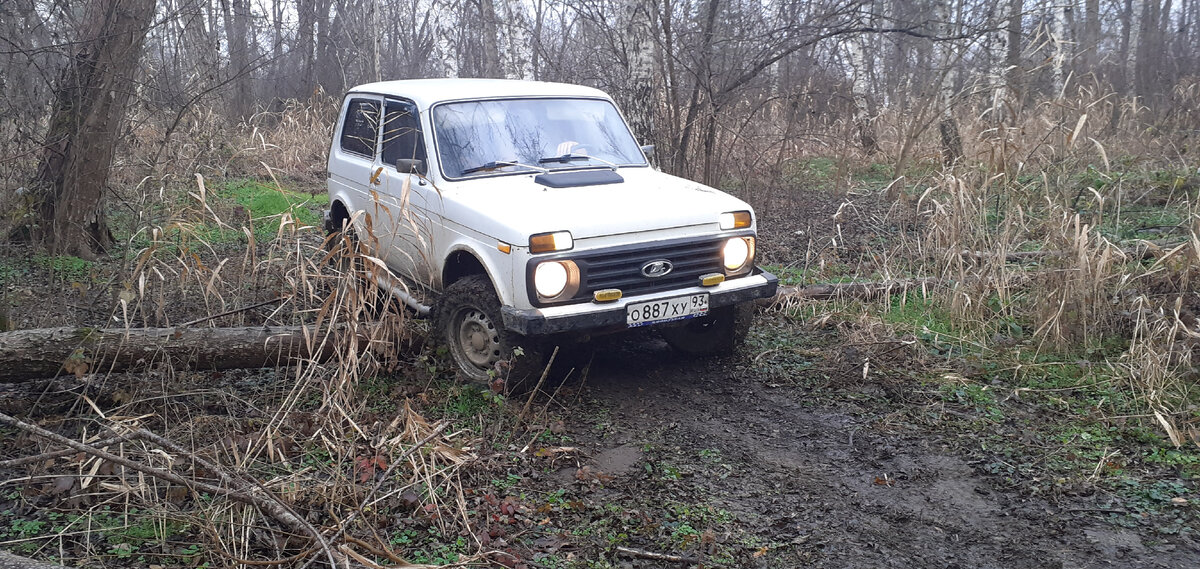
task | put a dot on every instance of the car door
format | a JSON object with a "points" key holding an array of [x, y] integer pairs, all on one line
{"points": [[354, 165], [414, 201]]}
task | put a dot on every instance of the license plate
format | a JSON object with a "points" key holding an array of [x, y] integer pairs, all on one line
{"points": [[666, 310]]}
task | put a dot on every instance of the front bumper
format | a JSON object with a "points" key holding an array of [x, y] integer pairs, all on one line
{"points": [[610, 316]]}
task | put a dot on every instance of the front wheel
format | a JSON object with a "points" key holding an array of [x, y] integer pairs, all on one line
{"points": [[720, 332], [469, 322]]}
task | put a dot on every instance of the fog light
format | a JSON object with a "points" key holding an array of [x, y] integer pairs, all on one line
{"points": [[607, 295], [712, 279]]}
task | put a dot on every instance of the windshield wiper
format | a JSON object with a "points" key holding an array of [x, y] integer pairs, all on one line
{"points": [[565, 158], [568, 158], [494, 164]]}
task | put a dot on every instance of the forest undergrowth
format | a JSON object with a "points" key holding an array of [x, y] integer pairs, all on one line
{"points": [[1046, 319]]}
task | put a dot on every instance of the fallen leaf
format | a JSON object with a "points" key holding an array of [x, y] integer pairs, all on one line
{"points": [[62, 484]]}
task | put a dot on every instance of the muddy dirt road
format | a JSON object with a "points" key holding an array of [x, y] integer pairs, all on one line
{"points": [[799, 483]]}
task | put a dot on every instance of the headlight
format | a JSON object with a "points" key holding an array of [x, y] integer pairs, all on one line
{"points": [[550, 279], [554, 279], [547, 242], [734, 220], [738, 252]]}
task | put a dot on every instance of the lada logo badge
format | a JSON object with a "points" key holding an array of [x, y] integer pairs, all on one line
{"points": [[655, 269]]}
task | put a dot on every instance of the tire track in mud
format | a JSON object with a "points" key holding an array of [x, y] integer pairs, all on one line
{"points": [[827, 482]]}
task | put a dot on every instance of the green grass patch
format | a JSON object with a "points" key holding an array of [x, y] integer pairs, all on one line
{"points": [[65, 267], [267, 201], [261, 207]]}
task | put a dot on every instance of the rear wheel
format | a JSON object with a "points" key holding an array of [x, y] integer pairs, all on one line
{"points": [[470, 323], [720, 332]]}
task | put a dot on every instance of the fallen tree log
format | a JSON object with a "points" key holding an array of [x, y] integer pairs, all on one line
{"points": [[10, 561], [47, 352]]}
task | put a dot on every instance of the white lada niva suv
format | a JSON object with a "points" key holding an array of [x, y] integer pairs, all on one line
{"points": [[526, 212]]}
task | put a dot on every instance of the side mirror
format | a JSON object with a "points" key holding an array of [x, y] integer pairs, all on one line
{"points": [[410, 165], [648, 150]]}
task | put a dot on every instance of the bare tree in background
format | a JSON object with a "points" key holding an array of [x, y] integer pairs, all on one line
{"points": [[860, 90], [948, 54], [89, 107], [639, 100], [724, 88]]}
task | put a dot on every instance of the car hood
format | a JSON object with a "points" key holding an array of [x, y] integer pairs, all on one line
{"points": [[511, 208]]}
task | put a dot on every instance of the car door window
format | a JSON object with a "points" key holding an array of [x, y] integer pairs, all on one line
{"points": [[402, 137], [361, 127]]}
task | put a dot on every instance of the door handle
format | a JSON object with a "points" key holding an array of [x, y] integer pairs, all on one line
{"points": [[375, 176]]}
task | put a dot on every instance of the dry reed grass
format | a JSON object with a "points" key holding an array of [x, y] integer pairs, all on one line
{"points": [[1028, 231], [1041, 250], [308, 434]]}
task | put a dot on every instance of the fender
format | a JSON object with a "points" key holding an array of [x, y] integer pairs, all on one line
{"points": [[501, 279]]}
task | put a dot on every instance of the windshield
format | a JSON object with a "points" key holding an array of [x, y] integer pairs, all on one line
{"points": [[481, 138]]}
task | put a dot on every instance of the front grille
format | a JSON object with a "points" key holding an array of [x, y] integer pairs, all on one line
{"points": [[623, 268]]}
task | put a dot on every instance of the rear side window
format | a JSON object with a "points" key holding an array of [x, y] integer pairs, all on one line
{"points": [[402, 136], [361, 127]]}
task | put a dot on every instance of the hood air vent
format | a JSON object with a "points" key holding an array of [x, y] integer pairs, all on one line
{"points": [[578, 178]]}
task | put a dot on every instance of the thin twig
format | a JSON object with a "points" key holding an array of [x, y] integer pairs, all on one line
{"points": [[61, 453], [234, 311], [536, 389], [655, 555]]}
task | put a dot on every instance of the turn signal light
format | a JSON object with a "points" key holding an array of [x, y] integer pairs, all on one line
{"points": [[607, 295], [547, 242], [734, 220]]}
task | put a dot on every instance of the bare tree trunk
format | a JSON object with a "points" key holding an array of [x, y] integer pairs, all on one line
{"points": [[1133, 48], [237, 37], [517, 60], [671, 79], [374, 31], [998, 44], [952, 149], [638, 99], [306, 40], [276, 46], [695, 103], [491, 39], [446, 32], [1012, 60], [859, 90], [1058, 45], [1091, 35], [89, 108]]}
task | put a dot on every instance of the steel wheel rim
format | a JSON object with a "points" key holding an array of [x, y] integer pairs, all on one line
{"points": [[475, 338]]}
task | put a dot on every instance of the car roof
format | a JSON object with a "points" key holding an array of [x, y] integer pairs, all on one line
{"points": [[426, 92]]}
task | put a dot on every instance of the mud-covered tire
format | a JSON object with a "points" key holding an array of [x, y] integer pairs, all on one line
{"points": [[469, 322], [721, 332]]}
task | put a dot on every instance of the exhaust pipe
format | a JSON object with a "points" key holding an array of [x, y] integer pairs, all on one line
{"points": [[398, 289]]}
